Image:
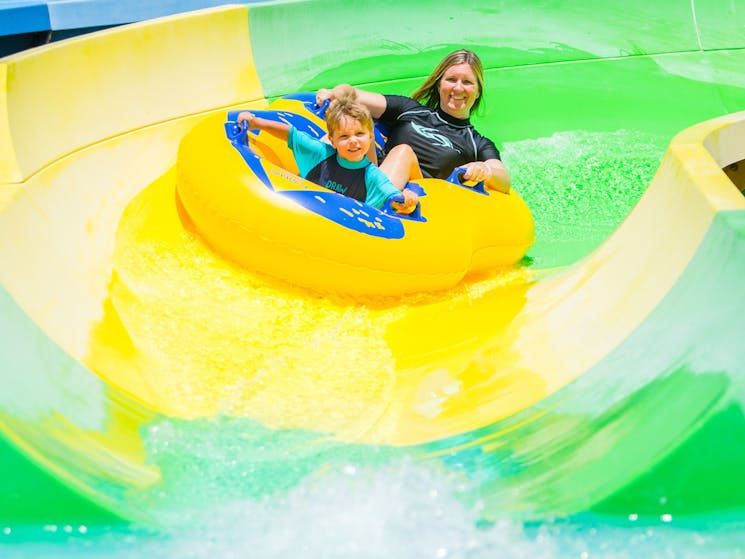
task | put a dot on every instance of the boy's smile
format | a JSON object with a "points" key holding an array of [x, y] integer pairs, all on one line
{"points": [[351, 139]]}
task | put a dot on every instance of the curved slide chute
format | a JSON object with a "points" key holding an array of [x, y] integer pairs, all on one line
{"points": [[589, 380]]}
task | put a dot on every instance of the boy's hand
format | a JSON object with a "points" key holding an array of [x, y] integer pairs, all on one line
{"points": [[411, 199]]}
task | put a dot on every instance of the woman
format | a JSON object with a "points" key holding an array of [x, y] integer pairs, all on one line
{"points": [[430, 132]]}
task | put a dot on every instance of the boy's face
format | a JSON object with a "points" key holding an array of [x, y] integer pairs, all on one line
{"points": [[351, 139]]}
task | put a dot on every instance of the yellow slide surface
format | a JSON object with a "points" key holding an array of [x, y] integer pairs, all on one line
{"points": [[115, 312]]}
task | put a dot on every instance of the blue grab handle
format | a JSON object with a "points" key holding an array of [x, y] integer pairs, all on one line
{"points": [[456, 177], [235, 132], [415, 214], [308, 99], [319, 111]]}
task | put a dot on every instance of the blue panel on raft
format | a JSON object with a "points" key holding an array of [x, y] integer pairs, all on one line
{"points": [[349, 213], [308, 99]]}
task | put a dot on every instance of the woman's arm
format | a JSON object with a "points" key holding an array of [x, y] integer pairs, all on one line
{"points": [[278, 129], [375, 102], [492, 172]]}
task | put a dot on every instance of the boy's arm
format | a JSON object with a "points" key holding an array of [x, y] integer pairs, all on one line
{"points": [[278, 129]]}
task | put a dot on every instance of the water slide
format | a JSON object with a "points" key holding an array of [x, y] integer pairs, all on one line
{"points": [[603, 374]]}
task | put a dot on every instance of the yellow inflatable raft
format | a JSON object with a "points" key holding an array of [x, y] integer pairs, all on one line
{"points": [[244, 197]]}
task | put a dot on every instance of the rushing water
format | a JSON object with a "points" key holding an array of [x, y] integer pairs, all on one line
{"points": [[580, 186]]}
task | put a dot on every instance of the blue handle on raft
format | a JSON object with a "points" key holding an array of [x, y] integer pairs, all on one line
{"points": [[235, 132], [416, 214], [308, 99], [319, 111], [457, 178]]}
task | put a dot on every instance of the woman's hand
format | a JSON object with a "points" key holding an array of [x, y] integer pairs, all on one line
{"points": [[375, 102], [340, 90], [247, 117], [492, 172], [476, 171], [323, 95]]}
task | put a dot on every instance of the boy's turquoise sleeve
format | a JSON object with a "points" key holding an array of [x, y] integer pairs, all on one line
{"points": [[308, 151], [379, 187]]}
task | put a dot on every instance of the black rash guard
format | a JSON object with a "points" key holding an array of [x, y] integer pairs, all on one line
{"points": [[440, 141], [349, 182]]}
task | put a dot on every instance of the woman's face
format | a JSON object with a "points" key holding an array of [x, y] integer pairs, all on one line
{"points": [[459, 90]]}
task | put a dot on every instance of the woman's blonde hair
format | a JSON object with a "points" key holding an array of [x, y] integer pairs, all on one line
{"points": [[429, 95], [347, 106]]}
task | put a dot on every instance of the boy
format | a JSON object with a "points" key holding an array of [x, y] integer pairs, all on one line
{"points": [[342, 166]]}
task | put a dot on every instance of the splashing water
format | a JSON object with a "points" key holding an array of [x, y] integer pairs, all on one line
{"points": [[580, 186], [404, 510]]}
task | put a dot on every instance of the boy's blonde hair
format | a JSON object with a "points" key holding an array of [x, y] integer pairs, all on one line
{"points": [[347, 106]]}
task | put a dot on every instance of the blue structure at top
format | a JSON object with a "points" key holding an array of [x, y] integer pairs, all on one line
{"points": [[28, 23], [23, 17]]}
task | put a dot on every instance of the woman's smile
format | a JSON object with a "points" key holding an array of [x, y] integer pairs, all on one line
{"points": [[458, 90]]}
